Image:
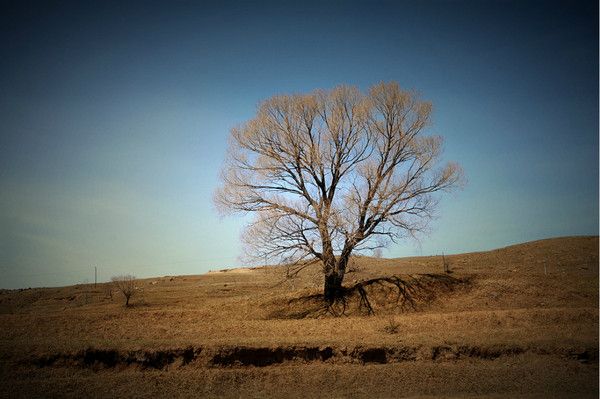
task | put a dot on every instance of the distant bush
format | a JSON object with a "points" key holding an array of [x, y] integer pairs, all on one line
{"points": [[392, 327], [125, 284]]}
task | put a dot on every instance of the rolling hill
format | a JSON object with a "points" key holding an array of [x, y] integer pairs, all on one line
{"points": [[520, 321]]}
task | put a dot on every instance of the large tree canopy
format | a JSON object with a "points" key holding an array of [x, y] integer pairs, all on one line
{"points": [[332, 172]]}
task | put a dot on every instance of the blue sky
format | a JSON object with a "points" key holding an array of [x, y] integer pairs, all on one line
{"points": [[115, 117]]}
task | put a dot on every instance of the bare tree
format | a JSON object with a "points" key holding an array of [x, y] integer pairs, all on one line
{"points": [[125, 284], [332, 172]]}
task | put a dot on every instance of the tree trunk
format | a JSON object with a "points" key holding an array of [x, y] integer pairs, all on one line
{"points": [[333, 287], [334, 277]]}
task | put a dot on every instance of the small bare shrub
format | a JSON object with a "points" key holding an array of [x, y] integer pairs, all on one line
{"points": [[125, 284], [392, 327]]}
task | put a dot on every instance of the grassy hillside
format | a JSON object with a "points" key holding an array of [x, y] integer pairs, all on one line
{"points": [[521, 320]]}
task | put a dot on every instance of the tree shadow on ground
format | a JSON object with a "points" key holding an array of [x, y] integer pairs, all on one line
{"points": [[380, 294]]}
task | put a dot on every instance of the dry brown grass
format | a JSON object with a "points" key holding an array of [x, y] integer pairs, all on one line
{"points": [[522, 307]]}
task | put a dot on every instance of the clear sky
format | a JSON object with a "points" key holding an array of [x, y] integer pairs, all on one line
{"points": [[115, 117]]}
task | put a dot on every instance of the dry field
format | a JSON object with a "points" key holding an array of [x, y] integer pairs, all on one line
{"points": [[520, 321]]}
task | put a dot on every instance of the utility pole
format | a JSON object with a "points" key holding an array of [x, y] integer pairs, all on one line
{"points": [[95, 276]]}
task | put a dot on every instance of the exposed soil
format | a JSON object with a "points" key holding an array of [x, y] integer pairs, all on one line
{"points": [[261, 357]]}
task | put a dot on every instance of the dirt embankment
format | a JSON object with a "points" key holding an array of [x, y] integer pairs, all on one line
{"points": [[241, 356]]}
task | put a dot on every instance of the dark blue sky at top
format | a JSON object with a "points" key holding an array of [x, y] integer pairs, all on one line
{"points": [[115, 116]]}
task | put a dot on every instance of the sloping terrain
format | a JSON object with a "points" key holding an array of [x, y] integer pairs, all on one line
{"points": [[517, 321]]}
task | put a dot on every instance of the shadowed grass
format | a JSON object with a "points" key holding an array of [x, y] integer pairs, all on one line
{"points": [[366, 297]]}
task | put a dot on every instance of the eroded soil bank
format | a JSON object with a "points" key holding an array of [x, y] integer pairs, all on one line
{"points": [[270, 356]]}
